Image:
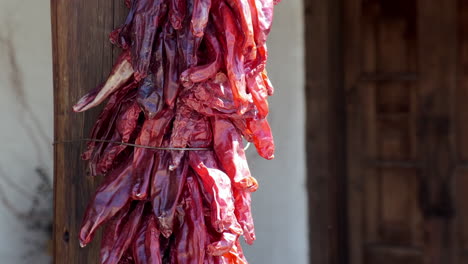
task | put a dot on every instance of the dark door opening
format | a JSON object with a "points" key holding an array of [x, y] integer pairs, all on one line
{"points": [[387, 85]]}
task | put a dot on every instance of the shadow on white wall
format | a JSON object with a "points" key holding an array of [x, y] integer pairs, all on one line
{"points": [[25, 138]]}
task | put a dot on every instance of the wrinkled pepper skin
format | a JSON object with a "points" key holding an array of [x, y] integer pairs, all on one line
{"points": [[112, 195], [166, 189], [146, 246], [202, 73], [234, 56], [126, 126], [268, 84], [190, 129], [171, 82], [258, 90], [112, 231], [145, 23], [105, 128], [126, 237], [121, 73], [152, 134], [187, 42], [242, 10], [192, 74], [262, 137], [177, 13], [229, 149], [243, 212], [150, 97], [217, 183], [183, 126], [235, 255], [200, 15], [191, 238]]}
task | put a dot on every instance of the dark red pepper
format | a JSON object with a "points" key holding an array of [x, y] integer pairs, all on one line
{"points": [[126, 237], [146, 246], [201, 73], [112, 195], [112, 232], [171, 83], [148, 14], [166, 188], [191, 239], [152, 134]]}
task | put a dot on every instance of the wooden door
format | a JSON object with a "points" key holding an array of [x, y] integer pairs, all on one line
{"points": [[406, 81]]}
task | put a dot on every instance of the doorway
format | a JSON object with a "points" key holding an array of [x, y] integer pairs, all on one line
{"points": [[387, 131]]}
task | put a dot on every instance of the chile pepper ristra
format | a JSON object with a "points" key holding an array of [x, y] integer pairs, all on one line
{"points": [[191, 75]]}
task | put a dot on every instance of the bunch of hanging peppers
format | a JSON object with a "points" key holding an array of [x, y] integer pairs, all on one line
{"points": [[189, 86]]}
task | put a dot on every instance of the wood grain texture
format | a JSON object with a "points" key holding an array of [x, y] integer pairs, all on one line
{"points": [[325, 139], [353, 67], [82, 57], [401, 140], [437, 28], [460, 183]]}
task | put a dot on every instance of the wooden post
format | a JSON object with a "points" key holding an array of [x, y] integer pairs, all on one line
{"points": [[82, 59], [325, 136]]}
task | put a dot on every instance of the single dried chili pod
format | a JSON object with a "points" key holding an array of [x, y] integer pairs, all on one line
{"points": [[268, 83], [166, 189], [190, 240], [126, 237], [243, 212], [229, 149], [234, 58], [152, 134], [171, 80], [187, 42], [202, 73], [119, 77], [218, 185], [259, 92], [112, 231], [146, 246], [150, 97], [241, 9], [112, 195], [148, 15], [262, 137]]}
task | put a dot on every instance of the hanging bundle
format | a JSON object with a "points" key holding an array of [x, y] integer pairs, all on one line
{"points": [[189, 86]]}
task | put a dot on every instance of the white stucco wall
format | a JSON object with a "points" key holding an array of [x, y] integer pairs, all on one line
{"points": [[26, 130], [27, 127], [280, 203]]}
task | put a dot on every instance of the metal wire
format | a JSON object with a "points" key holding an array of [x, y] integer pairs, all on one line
{"points": [[136, 145]]}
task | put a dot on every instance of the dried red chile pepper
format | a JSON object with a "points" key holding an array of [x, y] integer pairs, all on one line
{"points": [[191, 75]]}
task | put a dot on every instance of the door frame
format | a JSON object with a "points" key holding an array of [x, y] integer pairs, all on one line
{"points": [[325, 131]]}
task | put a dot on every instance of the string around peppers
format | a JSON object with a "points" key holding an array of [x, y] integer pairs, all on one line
{"points": [[189, 86]]}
